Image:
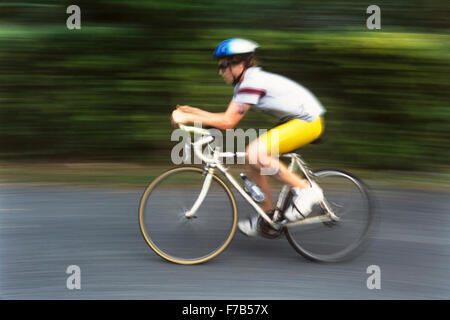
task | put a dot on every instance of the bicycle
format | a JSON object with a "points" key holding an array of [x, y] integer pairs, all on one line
{"points": [[199, 219]]}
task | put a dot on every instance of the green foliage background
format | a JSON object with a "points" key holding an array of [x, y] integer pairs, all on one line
{"points": [[106, 92]]}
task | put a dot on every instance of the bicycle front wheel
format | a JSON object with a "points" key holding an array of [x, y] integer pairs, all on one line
{"points": [[171, 233], [349, 199]]}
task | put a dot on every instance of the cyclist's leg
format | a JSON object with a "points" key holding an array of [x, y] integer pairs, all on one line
{"points": [[260, 163], [263, 152], [262, 159], [268, 165], [262, 182]]}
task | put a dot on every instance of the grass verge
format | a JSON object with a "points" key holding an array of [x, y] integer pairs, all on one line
{"points": [[131, 175]]}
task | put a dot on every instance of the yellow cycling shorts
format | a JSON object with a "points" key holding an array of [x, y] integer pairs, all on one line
{"points": [[292, 135]]}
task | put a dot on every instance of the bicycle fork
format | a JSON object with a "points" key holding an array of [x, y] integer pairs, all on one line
{"points": [[206, 184]]}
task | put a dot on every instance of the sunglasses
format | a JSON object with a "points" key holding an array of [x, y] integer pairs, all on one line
{"points": [[224, 65]]}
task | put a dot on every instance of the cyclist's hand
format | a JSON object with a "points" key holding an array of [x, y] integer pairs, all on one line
{"points": [[172, 122], [178, 117], [188, 109]]}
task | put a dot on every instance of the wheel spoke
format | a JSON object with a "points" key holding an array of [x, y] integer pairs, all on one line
{"points": [[173, 235], [349, 199]]}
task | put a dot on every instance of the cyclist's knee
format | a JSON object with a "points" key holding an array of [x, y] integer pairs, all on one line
{"points": [[258, 157], [251, 155], [269, 166]]}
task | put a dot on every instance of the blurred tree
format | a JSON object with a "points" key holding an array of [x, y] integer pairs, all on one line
{"points": [[106, 91]]}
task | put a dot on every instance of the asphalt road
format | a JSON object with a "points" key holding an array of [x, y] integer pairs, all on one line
{"points": [[43, 230]]}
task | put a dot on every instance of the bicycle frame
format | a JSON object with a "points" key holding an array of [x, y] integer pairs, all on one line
{"points": [[215, 162]]}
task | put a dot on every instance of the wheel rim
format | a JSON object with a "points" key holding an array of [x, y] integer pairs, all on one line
{"points": [[336, 241], [179, 239]]}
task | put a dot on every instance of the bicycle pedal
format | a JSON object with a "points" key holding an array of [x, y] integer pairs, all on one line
{"points": [[269, 231]]}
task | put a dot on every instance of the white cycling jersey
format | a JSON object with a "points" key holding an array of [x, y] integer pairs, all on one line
{"points": [[277, 96]]}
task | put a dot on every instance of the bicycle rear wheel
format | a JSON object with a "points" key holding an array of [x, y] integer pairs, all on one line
{"points": [[180, 239], [349, 199]]}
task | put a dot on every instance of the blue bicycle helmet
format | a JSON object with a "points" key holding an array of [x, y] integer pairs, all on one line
{"points": [[234, 46]]}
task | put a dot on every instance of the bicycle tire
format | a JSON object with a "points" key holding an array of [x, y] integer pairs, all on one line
{"points": [[355, 246], [149, 230]]}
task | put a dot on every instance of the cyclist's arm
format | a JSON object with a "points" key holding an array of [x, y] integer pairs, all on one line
{"points": [[222, 120]]}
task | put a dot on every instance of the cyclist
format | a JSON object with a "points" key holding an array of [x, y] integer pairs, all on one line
{"points": [[299, 112]]}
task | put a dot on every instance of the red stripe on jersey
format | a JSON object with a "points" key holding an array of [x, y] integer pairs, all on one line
{"points": [[259, 92]]}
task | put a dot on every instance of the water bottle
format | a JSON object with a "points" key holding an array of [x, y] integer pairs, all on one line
{"points": [[253, 189]]}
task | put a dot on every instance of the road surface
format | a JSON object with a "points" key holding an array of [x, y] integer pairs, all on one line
{"points": [[46, 229]]}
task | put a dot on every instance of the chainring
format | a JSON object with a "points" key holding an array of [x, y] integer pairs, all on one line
{"points": [[267, 231]]}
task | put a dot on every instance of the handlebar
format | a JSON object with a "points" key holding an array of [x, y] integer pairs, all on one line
{"points": [[194, 130], [199, 143], [205, 140]]}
